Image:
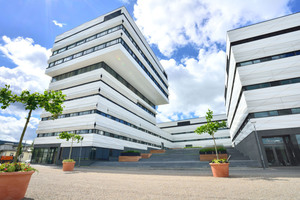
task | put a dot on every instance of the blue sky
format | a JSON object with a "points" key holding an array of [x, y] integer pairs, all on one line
{"points": [[187, 36]]}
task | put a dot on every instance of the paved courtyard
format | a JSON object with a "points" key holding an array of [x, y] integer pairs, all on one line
{"points": [[137, 183]]}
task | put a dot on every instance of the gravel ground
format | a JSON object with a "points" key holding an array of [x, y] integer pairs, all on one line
{"points": [[122, 183]]}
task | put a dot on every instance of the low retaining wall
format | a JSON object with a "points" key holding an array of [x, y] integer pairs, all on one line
{"points": [[157, 151], [129, 158], [146, 155], [210, 157]]}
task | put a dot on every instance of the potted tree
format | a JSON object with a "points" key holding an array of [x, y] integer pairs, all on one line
{"points": [[68, 164], [15, 176], [219, 167]]}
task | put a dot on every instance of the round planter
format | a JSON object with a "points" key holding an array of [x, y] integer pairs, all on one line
{"points": [[220, 169], [68, 166], [13, 185]]}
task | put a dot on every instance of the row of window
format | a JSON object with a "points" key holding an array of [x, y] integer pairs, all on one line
{"points": [[194, 140], [142, 66], [95, 131], [271, 113], [143, 55], [271, 84], [105, 115], [269, 58], [85, 52], [98, 35], [105, 45], [111, 72], [192, 132], [103, 33]]}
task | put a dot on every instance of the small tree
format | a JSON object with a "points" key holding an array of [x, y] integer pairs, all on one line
{"points": [[70, 136], [211, 128], [51, 101]]}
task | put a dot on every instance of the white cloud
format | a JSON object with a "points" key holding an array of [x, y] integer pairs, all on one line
{"points": [[31, 60], [58, 24], [197, 83], [171, 24]]}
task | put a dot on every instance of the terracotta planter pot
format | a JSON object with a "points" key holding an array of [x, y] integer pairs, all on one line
{"points": [[157, 151], [220, 169], [68, 166], [13, 185], [129, 158], [146, 155]]}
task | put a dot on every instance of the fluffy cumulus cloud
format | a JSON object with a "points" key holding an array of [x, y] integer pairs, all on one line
{"points": [[31, 61], [197, 83]]}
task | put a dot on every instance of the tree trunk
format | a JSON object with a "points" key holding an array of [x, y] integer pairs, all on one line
{"points": [[71, 149], [215, 146], [21, 139]]}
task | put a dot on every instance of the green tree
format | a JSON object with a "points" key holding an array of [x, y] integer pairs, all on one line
{"points": [[211, 128], [70, 136], [51, 101]]}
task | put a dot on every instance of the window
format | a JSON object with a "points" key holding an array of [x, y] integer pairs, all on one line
{"points": [[261, 114], [88, 51], [71, 46], [62, 50], [77, 55], [68, 58], [80, 42], [91, 38]]}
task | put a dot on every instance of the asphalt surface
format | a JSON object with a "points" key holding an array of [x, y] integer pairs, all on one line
{"points": [[138, 183]]}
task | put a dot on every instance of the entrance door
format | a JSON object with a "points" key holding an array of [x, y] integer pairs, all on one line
{"points": [[277, 151]]}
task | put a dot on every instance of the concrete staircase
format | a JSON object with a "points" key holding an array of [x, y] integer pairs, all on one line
{"points": [[180, 159]]}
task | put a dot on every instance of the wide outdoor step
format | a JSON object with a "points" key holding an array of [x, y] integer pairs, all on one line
{"points": [[235, 154], [172, 164]]}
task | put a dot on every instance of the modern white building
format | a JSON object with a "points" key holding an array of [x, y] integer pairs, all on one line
{"points": [[113, 82], [183, 134], [262, 90]]}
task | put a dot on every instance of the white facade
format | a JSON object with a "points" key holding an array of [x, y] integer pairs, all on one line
{"points": [[263, 81], [183, 134], [112, 81]]}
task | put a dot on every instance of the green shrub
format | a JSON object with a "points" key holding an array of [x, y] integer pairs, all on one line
{"points": [[131, 151], [68, 160], [211, 150], [15, 167], [219, 161]]}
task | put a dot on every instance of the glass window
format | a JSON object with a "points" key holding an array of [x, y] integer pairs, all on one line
{"points": [[102, 34], [273, 140], [58, 62], [71, 46], [261, 114], [295, 110], [285, 112], [265, 59], [62, 50], [245, 63], [91, 38], [295, 80], [298, 139], [68, 58], [77, 55], [99, 47], [54, 52], [80, 42], [273, 113], [88, 51], [51, 64]]}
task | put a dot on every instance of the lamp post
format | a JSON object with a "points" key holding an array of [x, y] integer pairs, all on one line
{"points": [[80, 153], [259, 147]]}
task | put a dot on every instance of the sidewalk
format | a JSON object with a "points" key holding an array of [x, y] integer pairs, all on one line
{"points": [[138, 183]]}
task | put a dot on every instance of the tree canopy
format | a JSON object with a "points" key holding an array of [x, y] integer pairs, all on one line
{"points": [[211, 127], [51, 101]]}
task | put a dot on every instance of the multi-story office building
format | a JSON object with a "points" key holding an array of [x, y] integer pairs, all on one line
{"points": [[113, 82], [183, 134], [263, 90]]}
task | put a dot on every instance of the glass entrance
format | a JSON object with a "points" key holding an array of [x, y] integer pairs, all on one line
{"points": [[277, 151]]}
